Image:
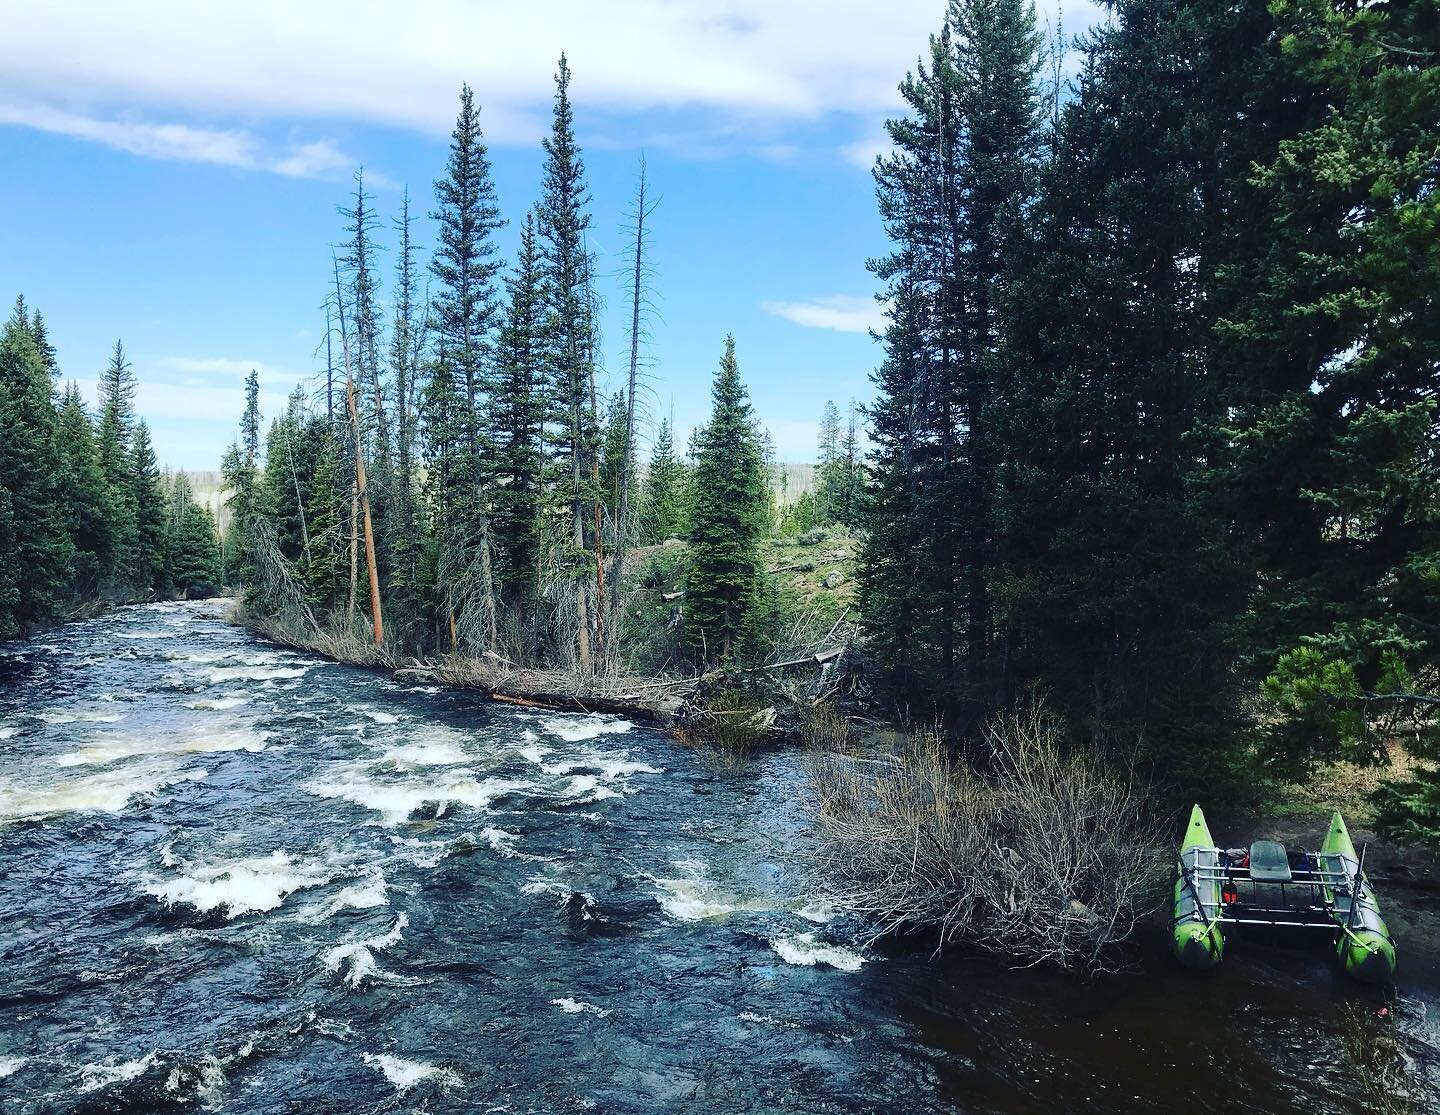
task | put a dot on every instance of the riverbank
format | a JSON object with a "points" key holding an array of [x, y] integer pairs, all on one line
{"points": [[664, 703]]}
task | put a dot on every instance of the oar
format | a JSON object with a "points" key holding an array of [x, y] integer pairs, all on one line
{"points": [[1355, 889]]}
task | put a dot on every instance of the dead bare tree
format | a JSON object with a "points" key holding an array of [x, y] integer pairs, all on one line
{"points": [[638, 274], [358, 490]]}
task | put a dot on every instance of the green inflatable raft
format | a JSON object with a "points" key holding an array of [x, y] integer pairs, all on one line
{"points": [[1265, 885]]}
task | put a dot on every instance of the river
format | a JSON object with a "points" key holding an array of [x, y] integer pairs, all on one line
{"points": [[241, 878]]}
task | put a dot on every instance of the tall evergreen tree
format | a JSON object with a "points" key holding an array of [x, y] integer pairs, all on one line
{"points": [[192, 553], [1332, 338], [34, 532], [463, 315], [117, 415], [665, 513], [519, 413], [90, 503], [562, 224], [952, 196], [727, 521], [144, 481]]}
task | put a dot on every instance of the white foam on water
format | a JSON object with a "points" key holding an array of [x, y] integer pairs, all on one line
{"points": [[576, 729], [405, 1074], [105, 1073], [695, 897], [571, 1006], [374, 714], [819, 910], [242, 886], [146, 634], [108, 748], [221, 703], [429, 853], [107, 791], [610, 765], [7, 732], [804, 950], [503, 843], [364, 894], [9, 1066], [396, 801], [254, 673], [437, 753], [358, 957], [76, 716], [586, 788]]}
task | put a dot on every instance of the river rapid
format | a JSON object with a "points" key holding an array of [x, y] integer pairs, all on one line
{"points": [[241, 878]]}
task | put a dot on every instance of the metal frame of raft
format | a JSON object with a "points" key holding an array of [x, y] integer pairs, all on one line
{"points": [[1325, 890]]}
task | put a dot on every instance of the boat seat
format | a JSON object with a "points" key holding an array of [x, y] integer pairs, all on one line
{"points": [[1269, 862]]}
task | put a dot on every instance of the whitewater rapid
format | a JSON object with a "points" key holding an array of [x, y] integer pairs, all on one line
{"points": [[241, 877]]}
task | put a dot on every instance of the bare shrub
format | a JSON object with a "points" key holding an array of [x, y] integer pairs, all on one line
{"points": [[1048, 859]]}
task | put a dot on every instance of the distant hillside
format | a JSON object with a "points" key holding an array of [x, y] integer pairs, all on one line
{"points": [[793, 479]]}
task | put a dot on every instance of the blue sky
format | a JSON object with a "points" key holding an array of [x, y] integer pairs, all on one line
{"points": [[173, 171]]}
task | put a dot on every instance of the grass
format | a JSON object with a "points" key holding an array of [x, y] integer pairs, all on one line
{"points": [[1343, 787]]}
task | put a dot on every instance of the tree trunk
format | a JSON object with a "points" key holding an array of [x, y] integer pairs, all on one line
{"points": [[622, 512]]}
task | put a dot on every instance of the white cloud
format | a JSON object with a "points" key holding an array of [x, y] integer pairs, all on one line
{"points": [[751, 70], [230, 370], [223, 147], [191, 404], [844, 313]]}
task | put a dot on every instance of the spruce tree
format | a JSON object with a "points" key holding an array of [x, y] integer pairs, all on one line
{"points": [[90, 507], [117, 393], [562, 224], [149, 502], [33, 522], [666, 504], [615, 458], [727, 521], [1332, 334], [519, 412], [192, 554], [463, 315]]}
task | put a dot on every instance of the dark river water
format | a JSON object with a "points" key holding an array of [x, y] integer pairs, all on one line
{"points": [[238, 878]]}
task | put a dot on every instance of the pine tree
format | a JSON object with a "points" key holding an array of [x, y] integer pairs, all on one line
{"points": [[464, 314], [241, 470], [666, 502], [615, 460], [33, 527], [192, 553], [1120, 584], [117, 392], [831, 475], [90, 509], [726, 522], [144, 481], [519, 413], [1332, 335], [562, 224], [951, 197]]}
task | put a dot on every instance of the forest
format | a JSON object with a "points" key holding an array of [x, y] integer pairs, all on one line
{"points": [[1152, 440]]}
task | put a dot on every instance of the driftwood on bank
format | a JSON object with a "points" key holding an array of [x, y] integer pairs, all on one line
{"points": [[648, 699]]}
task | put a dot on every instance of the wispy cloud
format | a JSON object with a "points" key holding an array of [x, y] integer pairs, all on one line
{"points": [[844, 313], [746, 69], [225, 370], [186, 143]]}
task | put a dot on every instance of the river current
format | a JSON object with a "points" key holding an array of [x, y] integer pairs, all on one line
{"points": [[236, 877]]}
